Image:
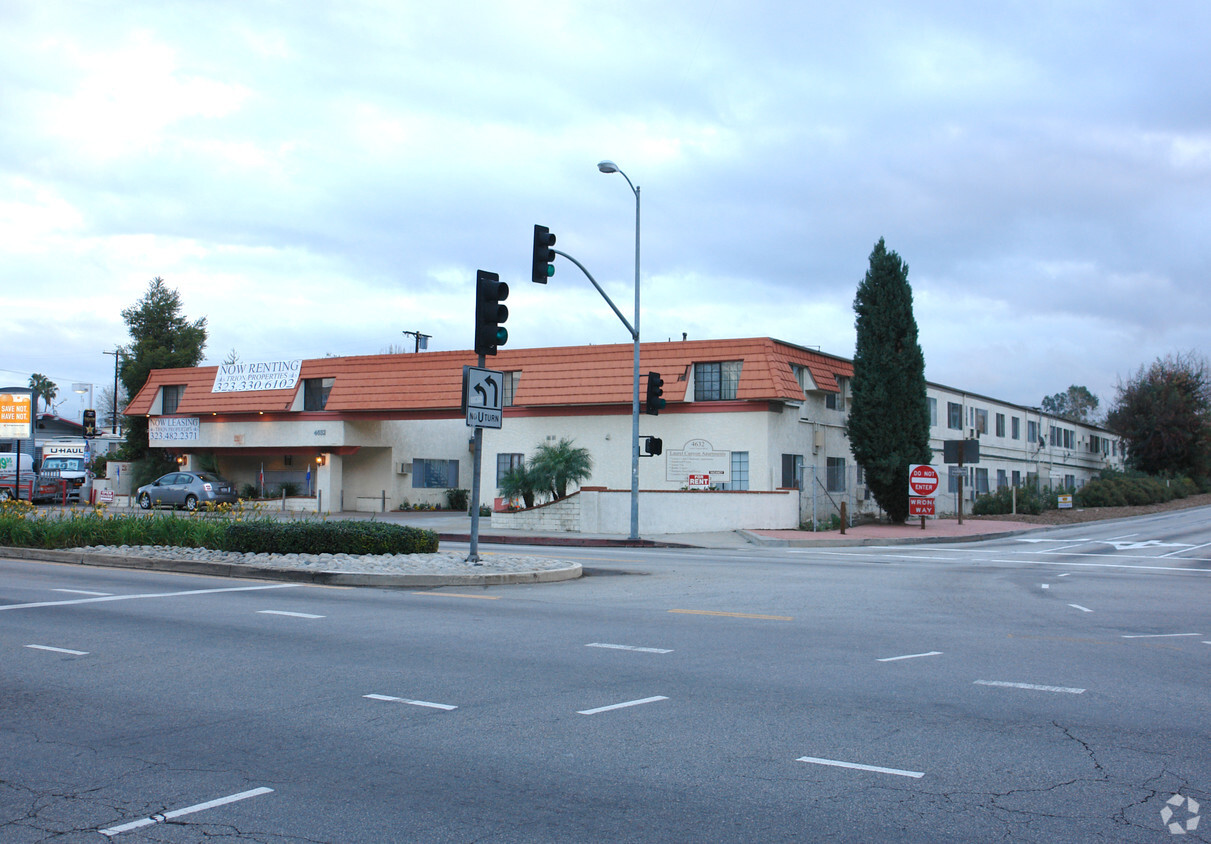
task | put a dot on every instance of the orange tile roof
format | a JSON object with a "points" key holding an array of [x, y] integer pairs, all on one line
{"points": [[550, 377]]}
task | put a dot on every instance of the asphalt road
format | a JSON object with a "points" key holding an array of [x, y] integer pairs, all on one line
{"points": [[1044, 688]]}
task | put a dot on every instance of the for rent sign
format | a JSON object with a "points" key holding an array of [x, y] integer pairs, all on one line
{"points": [[261, 375]]}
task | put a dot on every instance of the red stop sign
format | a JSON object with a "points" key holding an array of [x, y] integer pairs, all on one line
{"points": [[922, 480]]}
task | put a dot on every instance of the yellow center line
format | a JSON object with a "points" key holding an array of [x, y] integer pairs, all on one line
{"points": [[736, 615], [459, 595]]}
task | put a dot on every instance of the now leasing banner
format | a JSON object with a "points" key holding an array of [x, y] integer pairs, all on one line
{"points": [[261, 375]]}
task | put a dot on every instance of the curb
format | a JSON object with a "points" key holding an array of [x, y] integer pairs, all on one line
{"points": [[772, 542], [323, 578], [569, 542]]}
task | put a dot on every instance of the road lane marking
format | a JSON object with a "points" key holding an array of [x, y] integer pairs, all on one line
{"points": [[1184, 550], [188, 810], [107, 598], [291, 614], [57, 650], [1065, 574], [620, 705], [1032, 686], [855, 766], [735, 615], [1079, 607], [459, 595], [1097, 565], [908, 656], [629, 648], [443, 706], [83, 592], [1158, 635], [1045, 585]]}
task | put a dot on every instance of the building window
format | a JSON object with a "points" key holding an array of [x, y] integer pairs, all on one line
{"points": [[981, 481], [834, 474], [510, 387], [716, 381], [1000, 424], [954, 416], [802, 377], [315, 392], [792, 470], [172, 394], [434, 474], [981, 421], [933, 413], [739, 471], [1069, 438], [1017, 478], [1032, 432], [1015, 428], [1002, 479], [506, 463]]}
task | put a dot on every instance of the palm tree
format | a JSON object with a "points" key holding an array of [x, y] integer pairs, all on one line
{"points": [[44, 387], [558, 465], [519, 482]]}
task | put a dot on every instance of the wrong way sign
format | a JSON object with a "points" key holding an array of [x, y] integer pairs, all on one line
{"points": [[922, 480]]}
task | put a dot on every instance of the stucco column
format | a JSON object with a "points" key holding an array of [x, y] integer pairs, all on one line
{"points": [[329, 480]]}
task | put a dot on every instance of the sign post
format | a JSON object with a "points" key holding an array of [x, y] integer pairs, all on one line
{"points": [[923, 485], [17, 422], [483, 400]]}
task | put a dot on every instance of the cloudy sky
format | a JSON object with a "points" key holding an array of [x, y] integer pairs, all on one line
{"points": [[316, 178]]}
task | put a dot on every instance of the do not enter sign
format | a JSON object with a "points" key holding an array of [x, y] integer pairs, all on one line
{"points": [[922, 480]]}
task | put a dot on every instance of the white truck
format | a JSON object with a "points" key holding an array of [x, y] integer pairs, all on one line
{"points": [[68, 461]]}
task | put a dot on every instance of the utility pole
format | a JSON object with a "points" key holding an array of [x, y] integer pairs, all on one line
{"points": [[422, 340], [117, 354]]}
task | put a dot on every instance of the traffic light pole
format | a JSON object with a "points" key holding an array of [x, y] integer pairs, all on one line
{"points": [[634, 331]]}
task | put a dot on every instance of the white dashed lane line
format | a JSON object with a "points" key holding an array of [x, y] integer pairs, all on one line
{"points": [[289, 614], [445, 707], [58, 650], [1158, 635], [629, 648], [908, 656], [856, 767], [188, 810], [613, 706], [84, 592], [1031, 686], [1079, 607]]}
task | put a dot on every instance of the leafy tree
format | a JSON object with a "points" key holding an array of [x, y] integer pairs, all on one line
{"points": [[556, 466], [1164, 414], [888, 424], [43, 387], [161, 339], [1076, 404]]}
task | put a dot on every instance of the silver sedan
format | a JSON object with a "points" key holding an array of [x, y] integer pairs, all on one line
{"points": [[186, 489]]}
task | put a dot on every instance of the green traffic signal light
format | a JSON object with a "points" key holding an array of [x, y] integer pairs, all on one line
{"points": [[544, 255]]}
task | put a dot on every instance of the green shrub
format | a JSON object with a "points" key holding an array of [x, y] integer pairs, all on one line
{"points": [[1029, 502], [1100, 492], [250, 492], [227, 528], [458, 499], [345, 537]]}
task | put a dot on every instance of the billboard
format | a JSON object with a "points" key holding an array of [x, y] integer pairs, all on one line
{"points": [[16, 414]]}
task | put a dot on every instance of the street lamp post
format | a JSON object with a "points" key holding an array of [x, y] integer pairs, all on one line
{"points": [[611, 167]]}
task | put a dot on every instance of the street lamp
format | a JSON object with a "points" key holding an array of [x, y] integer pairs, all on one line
{"points": [[611, 167]]}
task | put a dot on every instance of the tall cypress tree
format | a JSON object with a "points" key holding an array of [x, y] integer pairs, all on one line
{"points": [[888, 424]]}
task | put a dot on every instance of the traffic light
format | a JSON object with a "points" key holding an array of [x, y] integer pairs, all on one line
{"points": [[654, 403], [490, 291], [544, 255], [90, 423], [653, 446]]}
